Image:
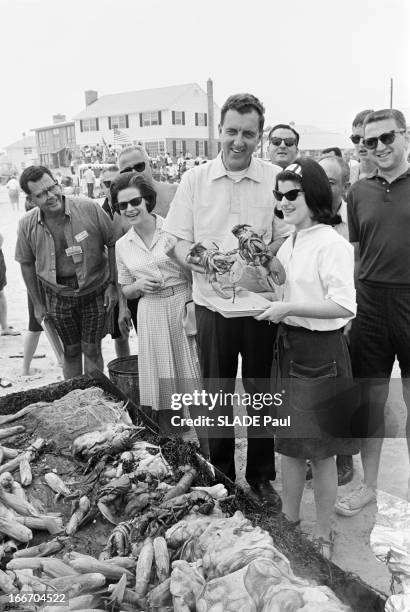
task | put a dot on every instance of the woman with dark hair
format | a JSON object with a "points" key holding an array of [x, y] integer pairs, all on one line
{"points": [[168, 362], [315, 303]]}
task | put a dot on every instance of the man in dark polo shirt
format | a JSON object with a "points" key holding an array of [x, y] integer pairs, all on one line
{"points": [[67, 247], [379, 228]]}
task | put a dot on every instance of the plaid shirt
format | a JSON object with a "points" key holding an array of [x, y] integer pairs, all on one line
{"points": [[85, 225]]}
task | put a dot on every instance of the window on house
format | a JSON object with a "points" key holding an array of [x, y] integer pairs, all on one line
{"points": [[118, 122], [178, 118], [44, 159], [150, 118], [201, 119], [89, 125], [42, 138], [155, 148], [28, 150]]}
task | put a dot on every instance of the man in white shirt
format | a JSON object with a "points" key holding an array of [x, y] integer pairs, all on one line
{"points": [[90, 180], [234, 188], [13, 188]]}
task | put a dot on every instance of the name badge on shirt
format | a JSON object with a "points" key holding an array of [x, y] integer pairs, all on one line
{"points": [[73, 250], [81, 236]]}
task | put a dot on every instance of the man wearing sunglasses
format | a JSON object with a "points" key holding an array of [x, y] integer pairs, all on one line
{"points": [[233, 188], [125, 312], [135, 159], [379, 228], [283, 145], [366, 166], [65, 247]]}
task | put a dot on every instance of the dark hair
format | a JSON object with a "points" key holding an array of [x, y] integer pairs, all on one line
{"points": [[33, 174], [131, 179], [360, 117], [284, 126], [387, 113], [316, 187], [335, 150], [244, 103]]}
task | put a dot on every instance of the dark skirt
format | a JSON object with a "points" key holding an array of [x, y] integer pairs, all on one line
{"points": [[313, 373]]}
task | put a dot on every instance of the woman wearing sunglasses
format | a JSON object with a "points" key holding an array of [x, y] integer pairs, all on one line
{"points": [[168, 361], [315, 303]]}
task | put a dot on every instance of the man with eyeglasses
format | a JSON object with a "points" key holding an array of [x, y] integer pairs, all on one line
{"points": [[65, 248], [125, 312], [366, 166], [379, 228], [283, 145], [135, 159]]}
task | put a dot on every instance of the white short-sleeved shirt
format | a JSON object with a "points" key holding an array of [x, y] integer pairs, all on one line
{"points": [[319, 264], [208, 204], [134, 259]]}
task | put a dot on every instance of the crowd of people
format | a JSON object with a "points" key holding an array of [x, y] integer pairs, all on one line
{"points": [[329, 335]]}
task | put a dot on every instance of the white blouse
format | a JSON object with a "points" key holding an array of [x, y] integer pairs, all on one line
{"points": [[319, 264], [134, 259]]}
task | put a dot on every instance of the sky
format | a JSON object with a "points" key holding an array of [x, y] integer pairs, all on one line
{"points": [[314, 62]]}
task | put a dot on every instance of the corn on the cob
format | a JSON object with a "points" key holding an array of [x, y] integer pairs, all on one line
{"points": [[34, 563], [161, 558], [52, 524], [55, 483], [143, 569], [26, 476], [9, 453], [125, 562], [160, 595], [106, 513], [41, 550], [110, 570], [73, 585], [15, 530], [6, 583], [18, 491], [120, 594], [18, 505], [84, 505], [56, 568], [82, 601], [6, 432]]}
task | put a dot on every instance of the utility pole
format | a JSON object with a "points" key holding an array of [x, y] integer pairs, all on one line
{"points": [[391, 92]]}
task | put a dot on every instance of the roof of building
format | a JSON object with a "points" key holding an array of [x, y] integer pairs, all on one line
{"points": [[27, 141], [160, 98], [54, 125]]}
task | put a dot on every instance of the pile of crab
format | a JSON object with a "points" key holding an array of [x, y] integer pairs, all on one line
{"points": [[251, 250]]}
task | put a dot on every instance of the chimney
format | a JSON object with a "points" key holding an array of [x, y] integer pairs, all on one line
{"points": [[211, 119], [90, 96], [59, 118]]}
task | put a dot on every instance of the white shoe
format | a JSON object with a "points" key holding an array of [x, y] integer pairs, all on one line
{"points": [[357, 499]]}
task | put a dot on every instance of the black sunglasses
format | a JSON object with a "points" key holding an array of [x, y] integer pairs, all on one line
{"points": [[134, 202], [290, 195], [386, 138], [289, 142], [355, 138], [107, 184], [135, 168]]}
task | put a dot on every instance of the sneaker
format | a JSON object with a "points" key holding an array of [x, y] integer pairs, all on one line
{"points": [[357, 499]]}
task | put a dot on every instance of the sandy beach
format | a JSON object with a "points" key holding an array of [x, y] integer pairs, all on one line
{"points": [[352, 551]]}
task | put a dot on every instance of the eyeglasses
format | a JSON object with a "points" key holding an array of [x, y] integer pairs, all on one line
{"points": [[134, 202], [355, 138], [45, 192], [387, 138], [290, 195], [107, 184], [140, 167], [289, 142]]}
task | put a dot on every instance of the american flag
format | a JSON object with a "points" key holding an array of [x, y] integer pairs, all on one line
{"points": [[120, 137]]}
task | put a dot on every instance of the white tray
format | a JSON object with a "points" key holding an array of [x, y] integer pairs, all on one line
{"points": [[246, 304]]}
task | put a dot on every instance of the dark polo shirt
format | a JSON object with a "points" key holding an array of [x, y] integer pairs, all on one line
{"points": [[379, 220]]}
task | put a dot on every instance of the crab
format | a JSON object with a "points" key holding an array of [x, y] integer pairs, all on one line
{"points": [[256, 253], [214, 262]]}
